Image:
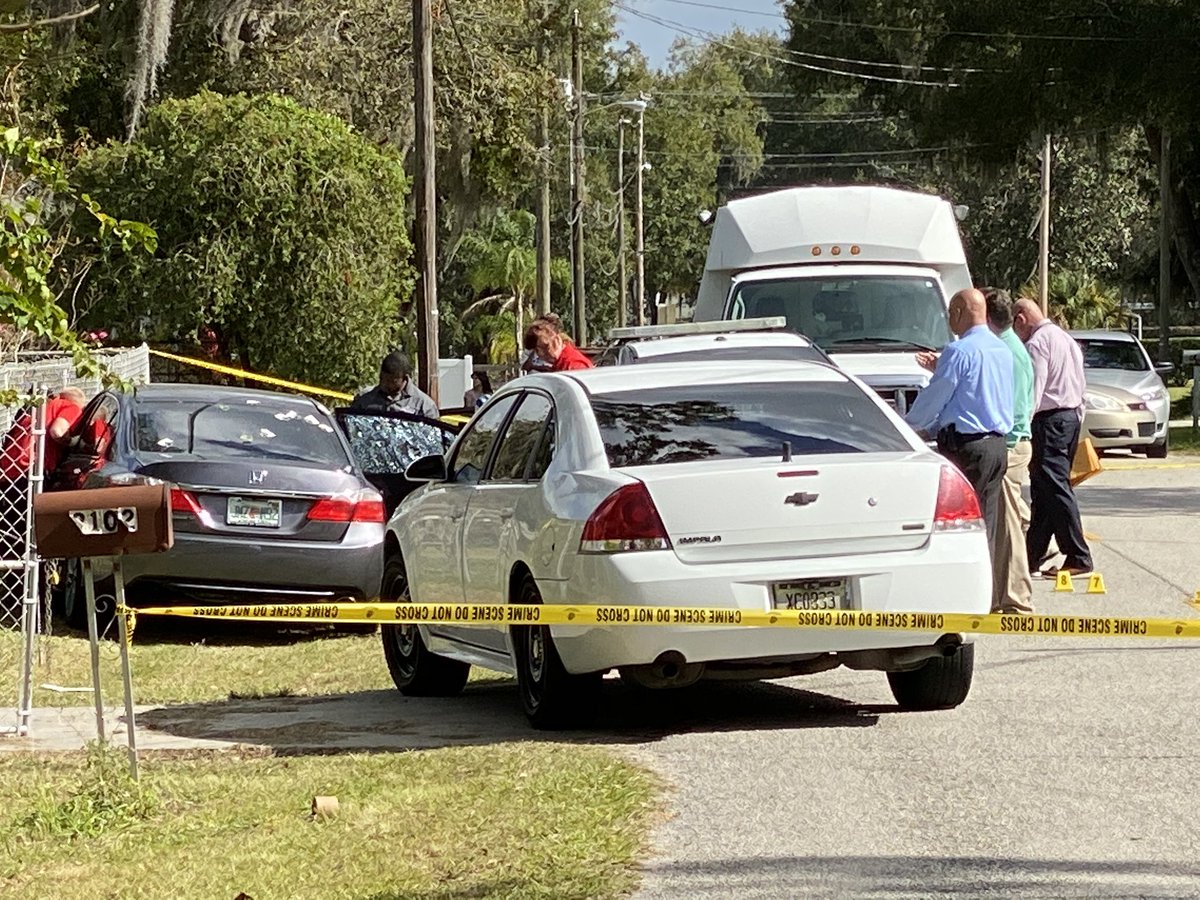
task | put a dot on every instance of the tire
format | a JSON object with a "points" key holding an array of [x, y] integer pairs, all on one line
{"points": [[72, 598], [415, 671], [551, 697], [1158, 450], [940, 683]]}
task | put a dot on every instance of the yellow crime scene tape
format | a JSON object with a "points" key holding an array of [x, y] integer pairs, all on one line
{"points": [[242, 373], [490, 615]]}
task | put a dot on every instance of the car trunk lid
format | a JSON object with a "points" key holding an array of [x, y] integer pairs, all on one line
{"points": [[826, 505]]}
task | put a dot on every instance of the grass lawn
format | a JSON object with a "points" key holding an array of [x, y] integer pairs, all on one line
{"points": [[190, 662], [517, 820], [1185, 440], [502, 820]]}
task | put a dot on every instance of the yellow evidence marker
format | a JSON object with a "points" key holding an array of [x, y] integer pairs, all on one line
{"points": [[1063, 582], [1096, 584]]}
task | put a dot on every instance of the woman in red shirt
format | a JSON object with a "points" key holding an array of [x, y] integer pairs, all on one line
{"points": [[554, 348]]}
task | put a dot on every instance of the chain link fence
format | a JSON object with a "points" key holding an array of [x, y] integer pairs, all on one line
{"points": [[24, 593]]}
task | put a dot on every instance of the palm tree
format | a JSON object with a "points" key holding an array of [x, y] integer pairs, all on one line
{"points": [[1078, 300]]}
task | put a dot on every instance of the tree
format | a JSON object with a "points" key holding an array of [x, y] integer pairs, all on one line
{"points": [[279, 227], [45, 221], [992, 78]]}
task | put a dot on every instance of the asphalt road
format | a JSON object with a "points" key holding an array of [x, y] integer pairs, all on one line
{"points": [[1071, 771]]}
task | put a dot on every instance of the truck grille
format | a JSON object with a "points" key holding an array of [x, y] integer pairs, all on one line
{"points": [[898, 398]]}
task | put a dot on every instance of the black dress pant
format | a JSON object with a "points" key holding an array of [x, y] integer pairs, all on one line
{"points": [[1053, 508], [983, 459]]}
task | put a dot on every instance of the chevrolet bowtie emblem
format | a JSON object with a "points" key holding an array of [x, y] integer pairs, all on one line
{"points": [[801, 499]]}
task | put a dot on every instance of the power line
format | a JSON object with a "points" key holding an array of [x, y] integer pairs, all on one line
{"points": [[711, 38], [910, 29]]}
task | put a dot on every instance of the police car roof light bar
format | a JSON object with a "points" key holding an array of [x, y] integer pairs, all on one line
{"points": [[767, 323]]}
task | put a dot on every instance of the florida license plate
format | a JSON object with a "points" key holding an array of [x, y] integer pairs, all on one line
{"points": [[254, 513], [820, 593]]}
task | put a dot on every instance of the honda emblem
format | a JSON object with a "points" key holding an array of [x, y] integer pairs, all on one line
{"points": [[258, 476]]}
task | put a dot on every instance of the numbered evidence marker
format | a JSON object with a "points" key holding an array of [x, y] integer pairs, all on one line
{"points": [[1063, 582], [1096, 584], [105, 521]]}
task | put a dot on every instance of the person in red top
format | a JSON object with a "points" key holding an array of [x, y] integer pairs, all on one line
{"points": [[554, 348], [62, 412]]}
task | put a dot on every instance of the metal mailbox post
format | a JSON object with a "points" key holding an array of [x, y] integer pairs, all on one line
{"points": [[106, 522]]}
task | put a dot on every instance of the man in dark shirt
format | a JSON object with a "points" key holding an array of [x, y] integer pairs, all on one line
{"points": [[396, 391]]}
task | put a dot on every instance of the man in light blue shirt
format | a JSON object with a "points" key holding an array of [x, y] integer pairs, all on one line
{"points": [[968, 405]]}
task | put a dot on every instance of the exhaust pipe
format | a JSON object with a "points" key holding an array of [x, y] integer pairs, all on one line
{"points": [[670, 669]]}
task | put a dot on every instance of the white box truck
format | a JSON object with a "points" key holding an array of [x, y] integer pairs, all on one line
{"points": [[866, 272]]}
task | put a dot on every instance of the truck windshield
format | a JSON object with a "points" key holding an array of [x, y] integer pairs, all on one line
{"points": [[851, 314]]}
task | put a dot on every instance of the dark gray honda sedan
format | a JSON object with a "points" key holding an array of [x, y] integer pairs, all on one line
{"points": [[269, 504]]}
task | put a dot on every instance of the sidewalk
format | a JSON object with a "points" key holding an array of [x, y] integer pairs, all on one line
{"points": [[68, 728]]}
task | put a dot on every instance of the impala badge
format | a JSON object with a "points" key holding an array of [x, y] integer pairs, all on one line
{"points": [[801, 499], [258, 476]]}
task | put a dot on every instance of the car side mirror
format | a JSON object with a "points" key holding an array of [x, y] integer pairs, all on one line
{"points": [[1164, 368], [427, 468]]}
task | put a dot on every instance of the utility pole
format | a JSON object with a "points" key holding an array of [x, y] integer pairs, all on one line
{"points": [[578, 190], [425, 230], [543, 215], [1164, 247], [621, 308], [637, 217], [1044, 242]]}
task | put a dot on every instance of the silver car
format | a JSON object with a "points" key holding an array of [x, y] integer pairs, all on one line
{"points": [[268, 502], [1117, 360]]}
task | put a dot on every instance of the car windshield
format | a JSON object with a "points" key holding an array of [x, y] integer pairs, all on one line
{"points": [[688, 423], [717, 352], [872, 313], [238, 429], [1099, 353]]}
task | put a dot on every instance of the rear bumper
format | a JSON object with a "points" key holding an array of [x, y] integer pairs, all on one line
{"points": [[952, 573], [203, 569]]}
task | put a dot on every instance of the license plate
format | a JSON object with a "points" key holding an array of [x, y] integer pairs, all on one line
{"points": [[255, 513], [821, 593]]}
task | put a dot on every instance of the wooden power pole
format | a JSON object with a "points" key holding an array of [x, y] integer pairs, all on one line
{"points": [[621, 276], [1164, 247], [578, 190], [1044, 241], [543, 214], [425, 228]]}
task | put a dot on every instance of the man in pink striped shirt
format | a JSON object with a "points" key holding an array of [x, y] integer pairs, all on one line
{"points": [[1058, 388]]}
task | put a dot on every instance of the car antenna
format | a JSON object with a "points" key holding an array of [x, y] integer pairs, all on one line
{"points": [[787, 451]]}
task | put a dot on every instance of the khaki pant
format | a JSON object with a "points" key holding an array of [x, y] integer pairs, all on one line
{"points": [[1012, 587]]}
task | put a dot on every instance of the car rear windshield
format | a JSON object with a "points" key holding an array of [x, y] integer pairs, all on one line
{"points": [[844, 313], [689, 423], [257, 429], [1104, 354], [807, 354]]}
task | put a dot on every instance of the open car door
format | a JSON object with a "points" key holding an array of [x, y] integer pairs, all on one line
{"points": [[384, 443]]}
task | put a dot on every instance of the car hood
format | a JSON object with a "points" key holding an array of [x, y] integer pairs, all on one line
{"points": [[884, 369], [1135, 382]]}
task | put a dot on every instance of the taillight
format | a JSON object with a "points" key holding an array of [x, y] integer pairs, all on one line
{"points": [[185, 502], [957, 505], [366, 506], [625, 520]]}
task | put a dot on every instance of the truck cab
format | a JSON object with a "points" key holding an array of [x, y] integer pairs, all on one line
{"points": [[866, 273]]}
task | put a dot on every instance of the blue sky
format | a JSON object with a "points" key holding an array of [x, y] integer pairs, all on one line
{"points": [[704, 15]]}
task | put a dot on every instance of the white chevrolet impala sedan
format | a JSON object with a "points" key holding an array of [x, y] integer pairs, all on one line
{"points": [[750, 485]]}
